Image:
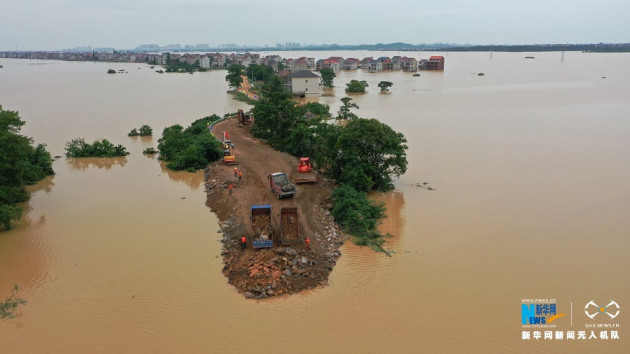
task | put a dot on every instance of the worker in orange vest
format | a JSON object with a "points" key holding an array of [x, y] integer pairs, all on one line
{"points": [[308, 243], [230, 186], [243, 242], [240, 175]]}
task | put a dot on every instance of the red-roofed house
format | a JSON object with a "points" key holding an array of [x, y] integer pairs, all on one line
{"points": [[435, 62]]}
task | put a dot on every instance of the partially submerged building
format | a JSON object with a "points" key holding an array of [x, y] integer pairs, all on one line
{"points": [[435, 62], [303, 83]]}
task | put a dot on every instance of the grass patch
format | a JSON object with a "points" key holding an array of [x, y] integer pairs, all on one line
{"points": [[243, 98]]}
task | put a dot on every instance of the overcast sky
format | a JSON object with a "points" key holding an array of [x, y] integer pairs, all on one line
{"points": [[123, 24]]}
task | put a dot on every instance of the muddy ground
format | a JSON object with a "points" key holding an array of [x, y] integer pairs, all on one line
{"points": [[261, 273]]}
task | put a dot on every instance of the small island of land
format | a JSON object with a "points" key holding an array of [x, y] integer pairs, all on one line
{"points": [[260, 273]]}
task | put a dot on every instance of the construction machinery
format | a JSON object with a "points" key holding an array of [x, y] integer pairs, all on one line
{"points": [[305, 172], [289, 230], [229, 156], [260, 218], [243, 119], [280, 185]]}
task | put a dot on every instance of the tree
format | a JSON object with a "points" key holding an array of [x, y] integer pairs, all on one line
{"points": [[344, 110], [276, 114], [259, 72], [20, 164], [78, 148], [385, 85], [368, 154], [355, 86], [234, 76], [192, 148], [327, 77]]}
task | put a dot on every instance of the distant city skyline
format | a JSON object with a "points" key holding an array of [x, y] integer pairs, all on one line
{"points": [[125, 24]]}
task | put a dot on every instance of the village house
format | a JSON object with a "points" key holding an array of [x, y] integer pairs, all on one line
{"points": [[300, 64], [303, 83], [408, 64], [435, 62], [289, 64], [365, 63], [375, 65], [204, 62], [350, 64], [387, 63]]}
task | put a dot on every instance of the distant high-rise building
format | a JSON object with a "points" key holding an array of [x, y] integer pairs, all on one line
{"points": [[148, 48]]}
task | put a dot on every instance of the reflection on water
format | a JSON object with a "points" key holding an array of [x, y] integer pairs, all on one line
{"points": [[192, 179], [83, 163], [45, 185], [394, 223]]}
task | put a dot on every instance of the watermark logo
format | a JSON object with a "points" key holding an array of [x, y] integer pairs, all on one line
{"points": [[539, 312], [592, 309]]}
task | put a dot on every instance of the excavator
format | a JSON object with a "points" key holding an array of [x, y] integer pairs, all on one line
{"points": [[243, 119], [305, 172]]}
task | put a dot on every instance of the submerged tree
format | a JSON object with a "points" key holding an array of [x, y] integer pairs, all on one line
{"points": [[355, 86], [368, 154], [328, 75], [10, 305], [385, 85]]}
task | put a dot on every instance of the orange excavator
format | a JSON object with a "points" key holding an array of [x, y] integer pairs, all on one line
{"points": [[305, 172]]}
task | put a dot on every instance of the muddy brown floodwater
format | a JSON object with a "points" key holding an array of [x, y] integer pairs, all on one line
{"points": [[529, 166]]}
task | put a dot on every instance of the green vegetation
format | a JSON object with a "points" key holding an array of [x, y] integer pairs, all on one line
{"points": [[363, 154], [10, 305], [181, 67], [259, 73], [149, 151], [234, 76], [145, 130], [192, 148], [355, 86], [316, 109], [385, 85], [243, 98], [111, 71], [100, 148], [358, 215], [367, 154], [328, 75], [344, 110], [416, 74], [20, 164]]}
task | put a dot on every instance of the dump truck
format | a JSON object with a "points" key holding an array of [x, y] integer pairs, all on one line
{"points": [[260, 218], [289, 233], [280, 185], [305, 173], [243, 119]]}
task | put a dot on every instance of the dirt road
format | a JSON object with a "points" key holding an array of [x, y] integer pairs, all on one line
{"points": [[260, 273]]}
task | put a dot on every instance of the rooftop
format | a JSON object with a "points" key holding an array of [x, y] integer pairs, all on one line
{"points": [[303, 73]]}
